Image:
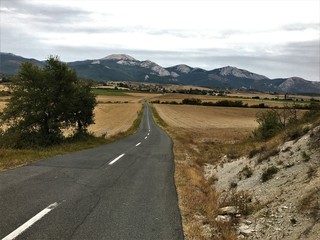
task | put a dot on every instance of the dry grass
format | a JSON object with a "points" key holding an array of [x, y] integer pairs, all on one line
{"points": [[187, 116], [111, 119], [206, 126], [2, 104]]}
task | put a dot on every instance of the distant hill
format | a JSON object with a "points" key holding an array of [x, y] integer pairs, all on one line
{"points": [[10, 63], [120, 67]]}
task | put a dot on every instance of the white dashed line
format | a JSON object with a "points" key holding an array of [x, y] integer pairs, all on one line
{"points": [[30, 222], [138, 144], [146, 137], [116, 159]]}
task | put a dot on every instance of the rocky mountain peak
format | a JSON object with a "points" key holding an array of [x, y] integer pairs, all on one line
{"points": [[119, 57], [229, 70], [183, 68]]}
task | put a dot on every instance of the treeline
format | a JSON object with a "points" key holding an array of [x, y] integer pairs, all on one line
{"points": [[230, 103]]}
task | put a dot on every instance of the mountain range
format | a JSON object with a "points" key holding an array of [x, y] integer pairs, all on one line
{"points": [[122, 67]]}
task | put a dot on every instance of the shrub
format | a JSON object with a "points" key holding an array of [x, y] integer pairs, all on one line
{"points": [[269, 173], [296, 132], [191, 101], [269, 125], [246, 172], [228, 103]]}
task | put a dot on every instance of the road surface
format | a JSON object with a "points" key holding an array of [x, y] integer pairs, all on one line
{"points": [[123, 190]]}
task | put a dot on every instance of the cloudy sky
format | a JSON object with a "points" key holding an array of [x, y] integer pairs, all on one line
{"points": [[276, 38]]}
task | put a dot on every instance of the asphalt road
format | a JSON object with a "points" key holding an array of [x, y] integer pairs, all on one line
{"points": [[123, 190]]}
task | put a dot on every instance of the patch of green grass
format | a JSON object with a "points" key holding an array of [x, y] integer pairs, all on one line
{"points": [[108, 92]]}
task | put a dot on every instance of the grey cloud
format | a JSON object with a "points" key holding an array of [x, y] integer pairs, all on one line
{"points": [[273, 66], [43, 13], [302, 49]]}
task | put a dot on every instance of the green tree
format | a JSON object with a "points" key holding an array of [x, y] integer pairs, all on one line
{"points": [[45, 101], [270, 124]]}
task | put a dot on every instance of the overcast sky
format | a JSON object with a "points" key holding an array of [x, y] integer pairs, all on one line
{"points": [[276, 38]]}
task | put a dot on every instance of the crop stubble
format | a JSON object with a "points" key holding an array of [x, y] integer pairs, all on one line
{"points": [[111, 119], [218, 124]]}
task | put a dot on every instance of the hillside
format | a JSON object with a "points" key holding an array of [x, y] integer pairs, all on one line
{"points": [[120, 67], [285, 201]]}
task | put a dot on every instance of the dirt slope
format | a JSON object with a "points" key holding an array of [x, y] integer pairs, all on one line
{"points": [[286, 206]]}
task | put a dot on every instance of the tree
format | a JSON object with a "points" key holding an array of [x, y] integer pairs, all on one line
{"points": [[269, 124], [45, 101]]}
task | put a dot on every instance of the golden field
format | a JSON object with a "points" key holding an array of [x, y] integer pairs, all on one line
{"points": [[111, 119], [218, 124]]}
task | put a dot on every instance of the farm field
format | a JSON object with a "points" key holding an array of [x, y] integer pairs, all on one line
{"points": [[246, 99], [219, 124], [111, 119], [126, 97]]}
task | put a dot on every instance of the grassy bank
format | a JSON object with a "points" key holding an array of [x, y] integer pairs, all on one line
{"points": [[11, 158]]}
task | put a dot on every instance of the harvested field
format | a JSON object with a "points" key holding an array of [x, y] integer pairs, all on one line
{"points": [[188, 116], [129, 97], [111, 119], [210, 124], [233, 97]]}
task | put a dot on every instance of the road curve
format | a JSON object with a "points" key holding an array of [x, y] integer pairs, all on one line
{"points": [[122, 190]]}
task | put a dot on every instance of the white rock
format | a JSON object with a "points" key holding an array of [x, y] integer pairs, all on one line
{"points": [[223, 218], [245, 229]]}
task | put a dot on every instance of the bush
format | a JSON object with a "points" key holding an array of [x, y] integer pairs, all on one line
{"points": [[296, 132], [269, 125], [245, 172], [269, 173], [191, 101], [228, 103]]}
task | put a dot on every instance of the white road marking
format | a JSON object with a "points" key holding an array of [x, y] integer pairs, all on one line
{"points": [[146, 137], [116, 159], [30, 222], [148, 134], [148, 120], [138, 144]]}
